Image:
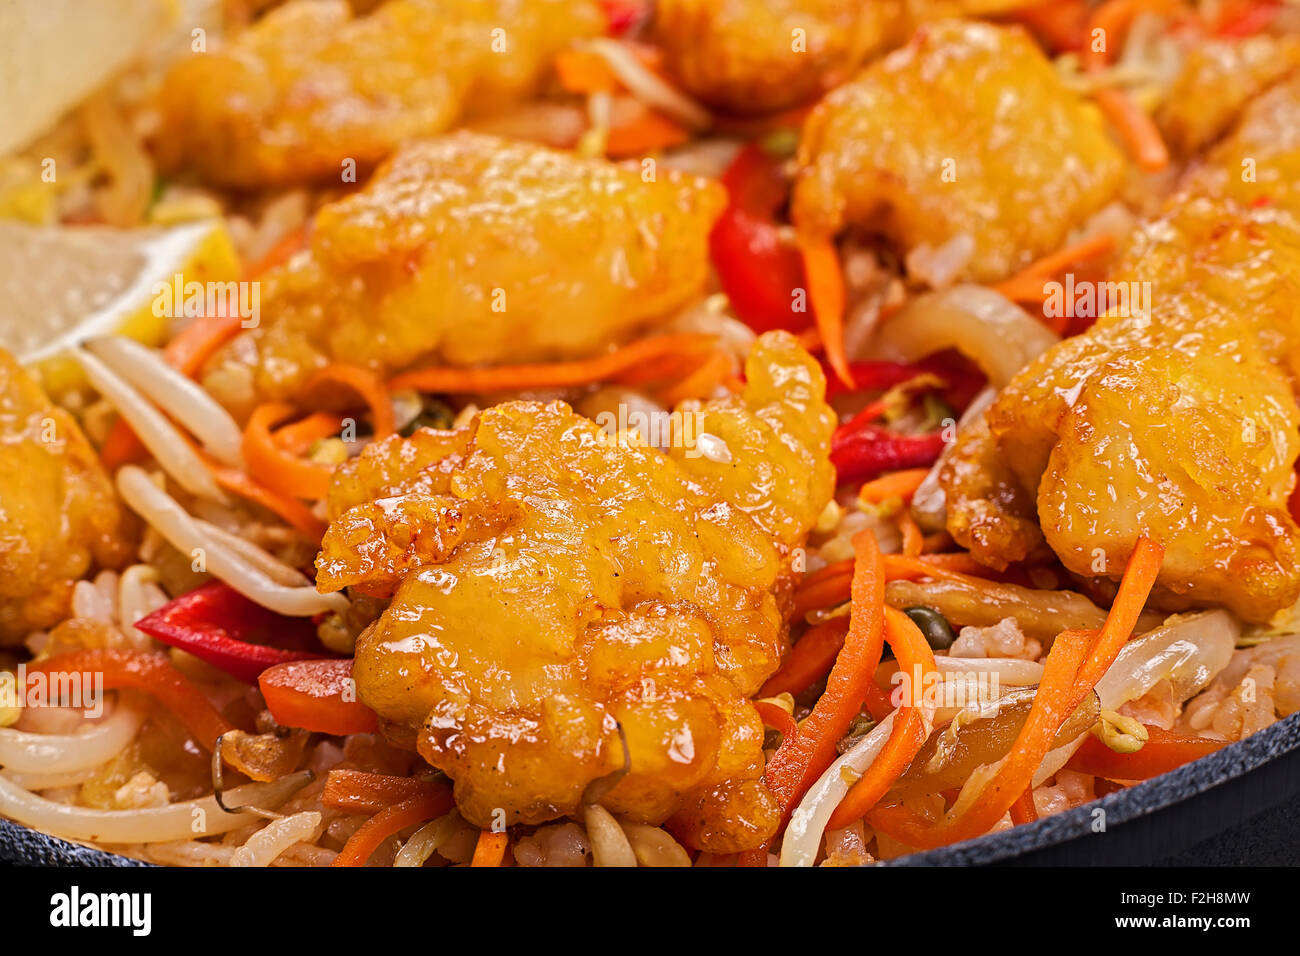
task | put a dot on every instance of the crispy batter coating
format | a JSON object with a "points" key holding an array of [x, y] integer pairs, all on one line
{"points": [[310, 86], [1219, 78], [966, 131], [1182, 425], [551, 584], [760, 56], [468, 249], [58, 513]]}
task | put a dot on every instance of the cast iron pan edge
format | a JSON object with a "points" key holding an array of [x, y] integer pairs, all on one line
{"points": [[1144, 824]]}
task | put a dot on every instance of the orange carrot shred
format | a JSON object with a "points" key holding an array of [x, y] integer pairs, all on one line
{"points": [[1136, 128], [276, 468], [389, 821], [366, 384], [490, 849], [601, 368], [896, 484], [821, 264]]}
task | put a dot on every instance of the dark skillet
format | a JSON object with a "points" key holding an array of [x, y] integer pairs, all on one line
{"points": [[1239, 806]]}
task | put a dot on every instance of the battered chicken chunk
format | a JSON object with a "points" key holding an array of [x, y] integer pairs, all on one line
{"points": [[469, 249], [310, 87], [552, 585], [58, 513], [759, 56], [966, 131], [1181, 423], [1218, 80]]}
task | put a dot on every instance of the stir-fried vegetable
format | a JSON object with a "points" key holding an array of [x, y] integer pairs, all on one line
{"points": [[215, 622], [317, 695], [1163, 751]]}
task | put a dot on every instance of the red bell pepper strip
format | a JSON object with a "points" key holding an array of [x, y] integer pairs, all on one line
{"points": [[759, 272], [869, 451], [316, 695], [148, 672], [623, 15], [1163, 751], [213, 623]]}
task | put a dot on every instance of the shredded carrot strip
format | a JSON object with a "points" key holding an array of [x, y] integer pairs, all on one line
{"points": [[298, 437], [799, 762], [1136, 128], [936, 542], [830, 585], [358, 791], [700, 383], [1075, 663], [145, 671], [1107, 24], [896, 484], [776, 718], [602, 368], [296, 514], [389, 821], [913, 540], [916, 660], [648, 131], [275, 468], [1051, 707], [1032, 276], [490, 849], [1023, 810], [583, 72], [811, 659], [821, 263], [366, 384]]}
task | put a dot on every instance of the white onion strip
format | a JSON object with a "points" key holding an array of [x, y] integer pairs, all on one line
{"points": [[647, 86], [177, 821], [169, 388], [425, 841], [267, 563], [163, 512], [66, 753], [276, 837], [803, 835], [159, 435]]}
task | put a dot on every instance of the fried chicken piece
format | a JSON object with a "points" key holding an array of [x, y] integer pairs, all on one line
{"points": [[1181, 424], [58, 513], [966, 131], [469, 249], [552, 585], [760, 56], [1219, 78], [310, 87]]}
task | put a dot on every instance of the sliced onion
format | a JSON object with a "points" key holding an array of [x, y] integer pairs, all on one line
{"points": [[176, 821], [984, 325], [803, 835], [654, 847], [184, 399], [67, 753], [159, 435], [1009, 670], [163, 512], [262, 560], [1040, 613], [609, 844], [276, 837], [425, 841], [1187, 652], [648, 87]]}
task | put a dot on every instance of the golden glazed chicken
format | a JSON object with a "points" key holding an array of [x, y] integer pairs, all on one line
{"points": [[310, 87], [1181, 423], [466, 249], [968, 131], [551, 586], [58, 514]]}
